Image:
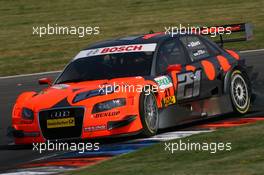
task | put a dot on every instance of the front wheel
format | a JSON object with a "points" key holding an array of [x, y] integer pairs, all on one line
{"points": [[149, 114], [240, 92]]}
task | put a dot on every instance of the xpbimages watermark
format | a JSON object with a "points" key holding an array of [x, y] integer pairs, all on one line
{"points": [[212, 31], [108, 89], [163, 82], [80, 31], [212, 147], [64, 146]]}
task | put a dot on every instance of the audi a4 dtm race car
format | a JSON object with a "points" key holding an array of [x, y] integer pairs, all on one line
{"points": [[135, 84]]}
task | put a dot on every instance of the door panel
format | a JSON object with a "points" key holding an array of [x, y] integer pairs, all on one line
{"points": [[204, 59]]}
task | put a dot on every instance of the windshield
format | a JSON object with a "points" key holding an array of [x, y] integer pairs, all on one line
{"points": [[107, 67]]}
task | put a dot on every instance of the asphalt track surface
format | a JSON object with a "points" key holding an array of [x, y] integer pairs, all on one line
{"points": [[10, 88]]}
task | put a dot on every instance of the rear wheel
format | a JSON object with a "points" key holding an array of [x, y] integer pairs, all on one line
{"points": [[240, 92], [149, 114]]}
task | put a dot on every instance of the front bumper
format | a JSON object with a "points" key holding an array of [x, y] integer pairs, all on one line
{"points": [[22, 134], [125, 126], [121, 123]]}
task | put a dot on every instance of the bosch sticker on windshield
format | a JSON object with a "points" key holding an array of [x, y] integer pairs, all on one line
{"points": [[117, 49]]}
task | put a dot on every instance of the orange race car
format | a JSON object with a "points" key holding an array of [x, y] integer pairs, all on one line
{"points": [[135, 84]]}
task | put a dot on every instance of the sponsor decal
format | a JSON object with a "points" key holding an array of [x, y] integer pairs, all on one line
{"points": [[95, 128], [60, 123], [194, 44], [106, 114], [60, 86], [117, 49], [164, 82], [169, 100], [198, 52], [122, 48]]}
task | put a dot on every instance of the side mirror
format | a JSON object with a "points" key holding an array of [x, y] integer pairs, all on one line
{"points": [[174, 67], [45, 81]]}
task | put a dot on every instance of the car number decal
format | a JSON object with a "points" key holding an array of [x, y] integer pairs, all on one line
{"points": [[188, 85]]}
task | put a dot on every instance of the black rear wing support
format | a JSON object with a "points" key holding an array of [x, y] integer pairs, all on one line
{"points": [[246, 28]]}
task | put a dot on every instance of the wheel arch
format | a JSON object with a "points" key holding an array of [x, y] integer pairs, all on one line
{"points": [[227, 77], [146, 132]]}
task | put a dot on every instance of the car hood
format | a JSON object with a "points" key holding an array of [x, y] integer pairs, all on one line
{"points": [[60, 95]]}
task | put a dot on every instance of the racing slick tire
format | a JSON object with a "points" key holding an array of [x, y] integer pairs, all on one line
{"points": [[149, 114], [240, 92]]}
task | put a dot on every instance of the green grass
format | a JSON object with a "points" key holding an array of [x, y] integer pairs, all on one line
{"points": [[22, 52], [245, 158]]}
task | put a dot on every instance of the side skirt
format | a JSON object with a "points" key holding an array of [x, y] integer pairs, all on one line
{"points": [[183, 113]]}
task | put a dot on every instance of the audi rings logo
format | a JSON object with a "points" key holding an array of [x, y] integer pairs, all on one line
{"points": [[57, 114]]}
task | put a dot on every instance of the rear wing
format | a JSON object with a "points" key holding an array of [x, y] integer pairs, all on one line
{"points": [[246, 29]]}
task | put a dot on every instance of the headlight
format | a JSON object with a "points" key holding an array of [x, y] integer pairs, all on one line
{"points": [[84, 95], [107, 105], [27, 114]]}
